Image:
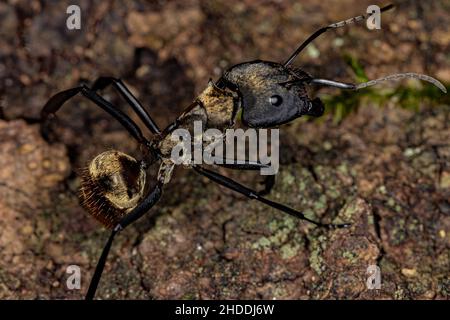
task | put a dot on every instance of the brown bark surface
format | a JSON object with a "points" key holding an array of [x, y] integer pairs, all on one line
{"points": [[383, 167]]}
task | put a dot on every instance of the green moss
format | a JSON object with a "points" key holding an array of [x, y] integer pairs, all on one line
{"points": [[343, 168], [321, 203], [382, 190], [350, 256], [310, 214], [288, 179], [391, 202], [410, 152], [316, 262], [333, 193], [262, 242], [318, 244], [289, 251], [285, 223], [189, 296], [445, 181], [357, 68], [280, 229], [419, 286], [279, 292], [399, 294], [349, 210], [444, 286], [414, 225], [327, 145], [301, 186], [398, 234]]}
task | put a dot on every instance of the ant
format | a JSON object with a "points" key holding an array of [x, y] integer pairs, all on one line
{"points": [[268, 94]]}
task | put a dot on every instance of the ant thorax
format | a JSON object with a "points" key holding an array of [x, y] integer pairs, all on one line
{"points": [[111, 186], [214, 108]]}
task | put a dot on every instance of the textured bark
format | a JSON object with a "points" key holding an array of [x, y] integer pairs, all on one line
{"points": [[383, 168]]}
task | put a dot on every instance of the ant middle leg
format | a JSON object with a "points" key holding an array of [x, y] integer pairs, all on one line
{"points": [[235, 186], [269, 183], [269, 180]]}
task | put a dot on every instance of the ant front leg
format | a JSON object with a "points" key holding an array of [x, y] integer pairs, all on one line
{"points": [[332, 26], [235, 186]]}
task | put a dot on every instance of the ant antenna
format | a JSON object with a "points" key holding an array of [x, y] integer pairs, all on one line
{"points": [[331, 26], [392, 77]]}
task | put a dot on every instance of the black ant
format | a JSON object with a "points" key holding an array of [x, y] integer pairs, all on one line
{"points": [[268, 94]]}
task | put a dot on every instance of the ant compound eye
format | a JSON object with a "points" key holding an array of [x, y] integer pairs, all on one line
{"points": [[276, 100]]}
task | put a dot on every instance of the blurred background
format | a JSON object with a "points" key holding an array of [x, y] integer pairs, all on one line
{"points": [[378, 158]]}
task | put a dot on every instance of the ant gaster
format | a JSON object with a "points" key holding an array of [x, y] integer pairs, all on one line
{"points": [[268, 94]]}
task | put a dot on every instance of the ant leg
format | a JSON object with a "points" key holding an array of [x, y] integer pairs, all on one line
{"points": [[316, 34], [269, 180], [235, 186], [57, 101], [242, 164], [269, 183], [99, 268], [151, 199], [103, 82]]}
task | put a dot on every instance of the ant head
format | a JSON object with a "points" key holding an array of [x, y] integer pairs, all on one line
{"points": [[272, 94], [111, 186]]}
